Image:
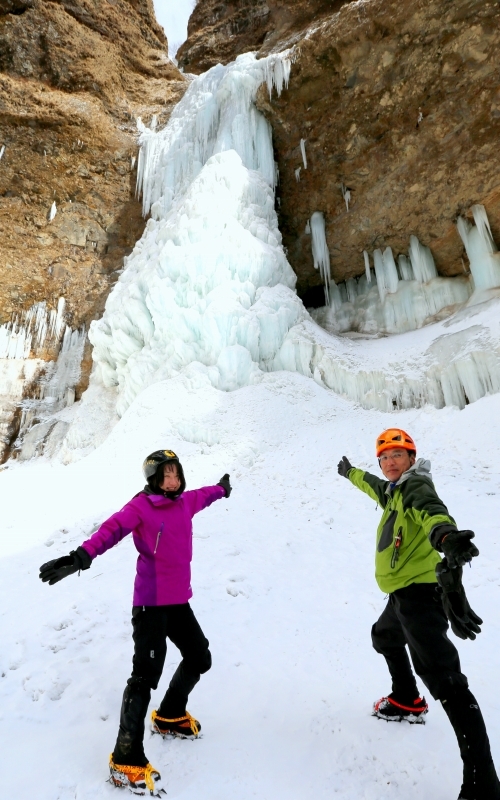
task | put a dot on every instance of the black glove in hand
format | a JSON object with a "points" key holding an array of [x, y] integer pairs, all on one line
{"points": [[463, 621], [344, 466], [224, 482], [59, 568], [458, 548]]}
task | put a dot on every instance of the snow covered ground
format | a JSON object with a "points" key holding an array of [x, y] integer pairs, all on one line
{"points": [[283, 587]]}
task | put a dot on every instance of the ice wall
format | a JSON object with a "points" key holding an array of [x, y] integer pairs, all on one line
{"points": [[209, 282]]}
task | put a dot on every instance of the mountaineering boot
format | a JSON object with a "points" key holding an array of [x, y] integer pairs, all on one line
{"points": [[139, 780], [480, 781], [129, 747], [394, 710], [185, 727]]}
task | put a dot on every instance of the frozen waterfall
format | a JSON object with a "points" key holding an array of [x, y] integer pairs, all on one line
{"points": [[209, 282]]}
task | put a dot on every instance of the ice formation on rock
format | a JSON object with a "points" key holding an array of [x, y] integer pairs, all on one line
{"points": [[410, 294], [33, 330], [209, 281], [40, 357], [481, 250]]}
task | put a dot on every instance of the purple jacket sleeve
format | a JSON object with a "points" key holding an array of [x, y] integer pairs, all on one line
{"points": [[113, 530], [202, 498]]}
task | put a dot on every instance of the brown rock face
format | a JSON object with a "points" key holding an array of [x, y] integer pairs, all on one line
{"points": [[74, 76], [219, 31], [396, 101]]}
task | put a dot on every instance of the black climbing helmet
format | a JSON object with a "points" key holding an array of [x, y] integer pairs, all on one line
{"points": [[152, 469]]}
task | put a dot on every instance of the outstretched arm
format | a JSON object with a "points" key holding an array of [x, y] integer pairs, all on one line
{"points": [[369, 484], [199, 499], [110, 533]]}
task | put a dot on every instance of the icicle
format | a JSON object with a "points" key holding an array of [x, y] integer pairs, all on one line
{"points": [[2, 151], [346, 194], [320, 252], [386, 272], [350, 285], [303, 151], [367, 267], [481, 249], [297, 174], [422, 261], [308, 228], [53, 211], [132, 162], [405, 268], [277, 71]]}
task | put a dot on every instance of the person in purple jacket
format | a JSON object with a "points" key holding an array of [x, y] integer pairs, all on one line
{"points": [[160, 519]]}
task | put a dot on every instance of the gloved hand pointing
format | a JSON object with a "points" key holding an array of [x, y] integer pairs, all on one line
{"points": [[224, 482], [53, 571], [458, 548], [344, 466]]}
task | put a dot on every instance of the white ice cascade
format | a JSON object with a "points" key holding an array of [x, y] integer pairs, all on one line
{"points": [[209, 282]]}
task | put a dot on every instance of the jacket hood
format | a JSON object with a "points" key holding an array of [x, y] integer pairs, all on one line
{"points": [[422, 466]]}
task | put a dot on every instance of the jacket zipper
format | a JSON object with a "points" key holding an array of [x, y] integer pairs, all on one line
{"points": [[397, 544], [158, 537]]}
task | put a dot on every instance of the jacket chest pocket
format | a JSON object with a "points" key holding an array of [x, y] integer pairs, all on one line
{"points": [[387, 535]]}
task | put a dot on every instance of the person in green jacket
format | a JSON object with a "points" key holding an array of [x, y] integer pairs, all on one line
{"points": [[425, 594]]}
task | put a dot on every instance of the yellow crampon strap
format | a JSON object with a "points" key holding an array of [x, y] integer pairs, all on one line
{"points": [[135, 774], [148, 777], [187, 716]]}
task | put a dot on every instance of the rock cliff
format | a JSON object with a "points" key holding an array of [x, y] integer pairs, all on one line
{"points": [[398, 104], [74, 76]]}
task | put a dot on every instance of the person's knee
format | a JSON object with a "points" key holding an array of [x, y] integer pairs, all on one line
{"points": [[381, 642], [450, 687], [198, 663], [147, 673]]}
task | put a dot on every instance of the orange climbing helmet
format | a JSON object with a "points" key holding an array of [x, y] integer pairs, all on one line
{"points": [[394, 437]]}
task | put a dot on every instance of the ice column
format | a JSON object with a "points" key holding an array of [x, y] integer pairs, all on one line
{"points": [[422, 261], [386, 272], [481, 249]]}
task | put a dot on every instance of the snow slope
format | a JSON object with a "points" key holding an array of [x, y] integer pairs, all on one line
{"points": [[283, 587]]}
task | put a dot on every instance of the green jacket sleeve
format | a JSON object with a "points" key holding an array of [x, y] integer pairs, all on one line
{"points": [[369, 484], [429, 511]]}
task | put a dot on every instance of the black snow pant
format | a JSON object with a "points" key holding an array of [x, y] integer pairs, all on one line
{"points": [[414, 617], [152, 625]]}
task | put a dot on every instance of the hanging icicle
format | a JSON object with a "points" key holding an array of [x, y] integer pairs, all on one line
{"points": [[320, 252], [303, 151]]}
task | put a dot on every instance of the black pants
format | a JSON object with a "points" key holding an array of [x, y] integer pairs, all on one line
{"points": [[413, 618], [152, 625]]}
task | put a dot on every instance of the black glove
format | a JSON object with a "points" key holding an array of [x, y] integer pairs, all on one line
{"points": [[344, 466], [224, 482], [458, 548], [59, 568], [463, 621]]}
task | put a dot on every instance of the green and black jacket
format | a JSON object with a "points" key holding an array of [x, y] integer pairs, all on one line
{"points": [[413, 521]]}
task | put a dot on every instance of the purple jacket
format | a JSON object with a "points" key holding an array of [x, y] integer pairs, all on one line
{"points": [[163, 535]]}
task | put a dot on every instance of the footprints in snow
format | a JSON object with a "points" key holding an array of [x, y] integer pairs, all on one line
{"points": [[233, 590]]}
